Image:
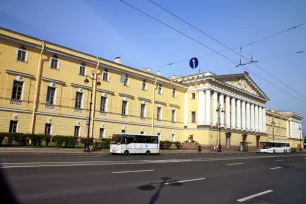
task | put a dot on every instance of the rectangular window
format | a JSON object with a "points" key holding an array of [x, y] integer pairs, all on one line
{"points": [[160, 89], [22, 55], [193, 117], [78, 100], [174, 93], [159, 113], [228, 141], [173, 116], [48, 129], [143, 110], [76, 131], [102, 132], [82, 70], [50, 96], [193, 96], [105, 75], [13, 126], [103, 104], [124, 107], [54, 63], [144, 85], [127, 81], [17, 90]]}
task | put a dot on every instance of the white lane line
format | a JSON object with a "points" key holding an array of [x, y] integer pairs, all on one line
{"points": [[234, 164], [253, 196], [183, 181], [276, 168], [279, 160], [123, 172]]}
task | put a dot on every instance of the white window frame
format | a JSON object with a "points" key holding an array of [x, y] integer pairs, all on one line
{"points": [[85, 70], [79, 133], [193, 94], [103, 136], [105, 71], [54, 102], [26, 55], [146, 85], [16, 125], [82, 101], [106, 103], [127, 82], [194, 117], [160, 87], [173, 137], [50, 128], [58, 63], [174, 118], [22, 91], [174, 91], [127, 107], [160, 114], [144, 111]]}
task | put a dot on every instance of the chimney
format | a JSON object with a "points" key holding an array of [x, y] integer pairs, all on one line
{"points": [[173, 77], [118, 60], [158, 73]]}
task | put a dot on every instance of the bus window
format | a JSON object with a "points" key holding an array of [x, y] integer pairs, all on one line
{"points": [[116, 139]]}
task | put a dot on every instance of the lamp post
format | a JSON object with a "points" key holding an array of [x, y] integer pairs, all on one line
{"points": [[300, 128], [273, 123], [218, 124], [86, 81]]}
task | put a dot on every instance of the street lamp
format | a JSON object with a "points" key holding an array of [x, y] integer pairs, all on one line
{"points": [[273, 123], [218, 124], [300, 128], [98, 83]]}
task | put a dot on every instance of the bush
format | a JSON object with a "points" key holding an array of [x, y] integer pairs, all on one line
{"points": [[2, 136], [59, 140], [65, 141], [167, 144], [47, 139], [71, 142], [21, 139], [83, 140], [106, 143], [36, 140]]}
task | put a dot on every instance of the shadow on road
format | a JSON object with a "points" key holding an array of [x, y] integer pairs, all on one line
{"points": [[159, 186]]}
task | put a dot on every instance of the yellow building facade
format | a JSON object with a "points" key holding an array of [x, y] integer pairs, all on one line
{"points": [[48, 88]]}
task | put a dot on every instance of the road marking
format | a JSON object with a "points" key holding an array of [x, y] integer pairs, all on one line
{"points": [[123, 172], [234, 164], [253, 196], [184, 181], [276, 168], [279, 160]]}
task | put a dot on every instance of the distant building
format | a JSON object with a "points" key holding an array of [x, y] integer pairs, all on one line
{"points": [[46, 88]]}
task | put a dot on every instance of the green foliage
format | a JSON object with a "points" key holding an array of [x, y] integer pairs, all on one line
{"points": [[106, 143], [83, 140], [65, 141], [2, 136], [168, 145], [21, 139], [71, 142]]}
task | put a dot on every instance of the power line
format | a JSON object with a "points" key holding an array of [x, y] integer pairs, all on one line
{"points": [[180, 32], [284, 55], [232, 49]]}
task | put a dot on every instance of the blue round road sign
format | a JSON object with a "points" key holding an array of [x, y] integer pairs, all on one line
{"points": [[194, 62]]}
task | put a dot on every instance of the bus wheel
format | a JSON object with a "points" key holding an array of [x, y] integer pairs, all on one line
{"points": [[126, 153], [148, 152]]}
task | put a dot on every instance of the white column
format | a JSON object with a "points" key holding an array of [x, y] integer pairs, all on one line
{"points": [[238, 114], [207, 111], [228, 112], [243, 124], [248, 117], [264, 122], [201, 108], [260, 119], [291, 129], [233, 119], [215, 106], [221, 100], [252, 117], [256, 118], [186, 110]]}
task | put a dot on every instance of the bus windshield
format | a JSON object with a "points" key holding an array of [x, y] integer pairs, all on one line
{"points": [[116, 139]]}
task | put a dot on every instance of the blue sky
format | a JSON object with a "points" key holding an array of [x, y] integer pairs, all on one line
{"points": [[109, 28]]}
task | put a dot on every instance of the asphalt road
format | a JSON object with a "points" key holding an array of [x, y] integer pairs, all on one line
{"points": [[251, 178]]}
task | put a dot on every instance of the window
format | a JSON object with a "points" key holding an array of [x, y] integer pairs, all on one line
{"points": [[160, 89], [13, 126], [22, 54], [105, 75], [126, 82], [103, 104], [78, 100], [17, 90], [193, 117], [102, 132], [48, 129], [192, 95], [144, 85], [173, 137], [159, 113], [173, 116], [50, 96], [142, 132], [76, 131], [173, 92], [143, 110], [123, 131], [54, 62], [228, 141], [82, 70], [124, 107]]}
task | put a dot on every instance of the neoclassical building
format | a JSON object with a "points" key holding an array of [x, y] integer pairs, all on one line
{"points": [[51, 89]]}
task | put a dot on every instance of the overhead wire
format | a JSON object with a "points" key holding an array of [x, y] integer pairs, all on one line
{"points": [[191, 38], [271, 75]]}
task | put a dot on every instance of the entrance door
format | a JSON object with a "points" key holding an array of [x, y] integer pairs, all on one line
{"points": [[257, 141]]}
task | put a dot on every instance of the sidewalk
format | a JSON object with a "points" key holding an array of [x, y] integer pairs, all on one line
{"points": [[55, 151]]}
